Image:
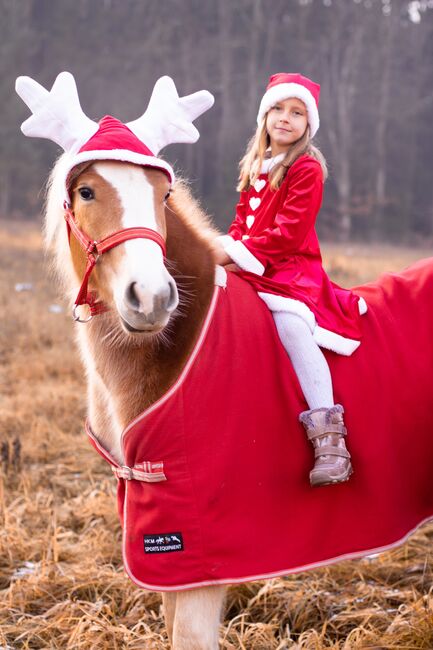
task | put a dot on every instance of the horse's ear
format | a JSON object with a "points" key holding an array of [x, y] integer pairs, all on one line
{"points": [[169, 118]]}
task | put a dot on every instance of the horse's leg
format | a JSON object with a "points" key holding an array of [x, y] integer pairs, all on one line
{"points": [[197, 618], [169, 607]]}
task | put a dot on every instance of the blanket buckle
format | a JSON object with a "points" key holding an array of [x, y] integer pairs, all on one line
{"points": [[126, 472]]}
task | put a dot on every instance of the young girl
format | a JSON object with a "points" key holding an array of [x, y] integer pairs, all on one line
{"points": [[273, 241]]}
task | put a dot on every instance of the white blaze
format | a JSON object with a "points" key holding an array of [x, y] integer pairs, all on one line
{"points": [[143, 261]]}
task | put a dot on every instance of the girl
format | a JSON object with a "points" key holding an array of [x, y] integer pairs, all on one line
{"points": [[273, 241]]}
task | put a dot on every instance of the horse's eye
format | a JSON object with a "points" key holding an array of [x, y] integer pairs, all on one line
{"points": [[167, 196], [86, 193]]}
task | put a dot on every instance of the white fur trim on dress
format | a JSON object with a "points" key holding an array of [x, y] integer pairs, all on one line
{"points": [[269, 163], [362, 306], [284, 91], [220, 276], [335, 342], [323, 337], [224, 240], [240, 254], [282, 303]]}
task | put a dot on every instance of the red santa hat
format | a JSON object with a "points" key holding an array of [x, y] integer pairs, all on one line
{"points": [[58, 116], [284, 85]]}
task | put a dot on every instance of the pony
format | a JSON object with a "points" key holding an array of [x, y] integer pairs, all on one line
{"points": [[134, 353], [191, 396]]}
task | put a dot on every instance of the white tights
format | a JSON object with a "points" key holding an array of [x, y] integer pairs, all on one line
{"points": [[307, 359]]}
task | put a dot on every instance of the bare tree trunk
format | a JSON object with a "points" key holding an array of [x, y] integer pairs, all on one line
{"points": [[344, 60], [5, 194], [411, 154], [254, 64], [225, 126], [191, 83], [391, 24], [270, 37]]}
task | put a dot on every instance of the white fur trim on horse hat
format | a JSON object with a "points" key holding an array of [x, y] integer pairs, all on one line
{"points": [[123, 155], [285, 85]]}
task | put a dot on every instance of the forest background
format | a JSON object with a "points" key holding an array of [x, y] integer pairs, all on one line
{"points": [[373, 59]]}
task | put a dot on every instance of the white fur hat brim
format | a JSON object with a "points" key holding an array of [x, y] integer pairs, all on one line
{"points": [[284, 91], [123, 155]]}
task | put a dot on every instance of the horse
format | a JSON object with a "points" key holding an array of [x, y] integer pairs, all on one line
{"points": [[192, 399], [132, 357], [155, 315]]}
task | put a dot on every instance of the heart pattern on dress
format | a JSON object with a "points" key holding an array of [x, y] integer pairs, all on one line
{"points": [[250, 220], [259, 184], [255, 202]]}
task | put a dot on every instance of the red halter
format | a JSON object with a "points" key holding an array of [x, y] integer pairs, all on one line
{"points": [[93, 250]]}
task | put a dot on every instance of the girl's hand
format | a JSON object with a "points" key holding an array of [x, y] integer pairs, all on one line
{"points": [[232, 267], [221, 256]]}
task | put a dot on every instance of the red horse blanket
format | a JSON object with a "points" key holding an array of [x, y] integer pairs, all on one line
{"points": [[226, 496]]}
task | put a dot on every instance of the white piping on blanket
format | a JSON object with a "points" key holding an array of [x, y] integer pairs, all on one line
{"points": [[228, 581], [185, 370]]}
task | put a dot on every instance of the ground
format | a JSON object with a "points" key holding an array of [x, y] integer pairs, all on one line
{"points": [[62, 584]]}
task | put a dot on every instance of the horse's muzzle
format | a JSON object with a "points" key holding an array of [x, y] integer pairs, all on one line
{"points": [[143, 311]]}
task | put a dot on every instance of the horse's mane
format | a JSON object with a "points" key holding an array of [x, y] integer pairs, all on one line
{"points": [[189, 210], [55, 233], [181, 202]]}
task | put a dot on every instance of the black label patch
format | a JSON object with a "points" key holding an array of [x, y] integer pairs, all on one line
{"points": [[163, 543]]}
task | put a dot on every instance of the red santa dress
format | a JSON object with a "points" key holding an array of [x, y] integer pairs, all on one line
{"points": [[274, 241]]}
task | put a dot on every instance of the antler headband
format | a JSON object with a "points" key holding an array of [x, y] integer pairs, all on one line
{"points": [[58, 116]]}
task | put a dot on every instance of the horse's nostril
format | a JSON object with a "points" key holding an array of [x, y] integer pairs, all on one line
{"points": [[166, 299], [131, 296], [172, 298]]}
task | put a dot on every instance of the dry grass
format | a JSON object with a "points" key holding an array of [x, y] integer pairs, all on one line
{"points": [[61, 580]]}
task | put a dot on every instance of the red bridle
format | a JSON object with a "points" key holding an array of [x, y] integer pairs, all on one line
{"points": [[94, 249]]}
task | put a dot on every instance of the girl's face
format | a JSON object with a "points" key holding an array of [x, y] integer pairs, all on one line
{"points": [[286, 122]]}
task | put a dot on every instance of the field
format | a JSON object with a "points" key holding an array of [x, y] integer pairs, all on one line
{"points": [[62, 585]]}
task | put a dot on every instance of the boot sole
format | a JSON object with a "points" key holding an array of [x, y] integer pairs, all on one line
{"points": [[318, 482]]}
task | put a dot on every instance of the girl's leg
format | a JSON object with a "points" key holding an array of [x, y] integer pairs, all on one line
{"points": [[324, 421], [307, 359]]}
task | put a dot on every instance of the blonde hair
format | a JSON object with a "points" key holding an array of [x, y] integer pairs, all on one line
{"points": [[251, 164]]}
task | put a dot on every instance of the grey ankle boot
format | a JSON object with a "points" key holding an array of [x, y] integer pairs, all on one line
{"points": [[325, 428]]}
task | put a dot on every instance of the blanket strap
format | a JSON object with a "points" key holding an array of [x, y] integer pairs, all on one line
{"points": [[147, 472]]}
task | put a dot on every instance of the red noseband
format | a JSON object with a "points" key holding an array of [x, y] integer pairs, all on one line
{"points": [[93, 250]]}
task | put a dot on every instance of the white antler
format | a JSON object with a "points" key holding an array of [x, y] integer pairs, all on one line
{"points": [[169, 118], [57, 115]]}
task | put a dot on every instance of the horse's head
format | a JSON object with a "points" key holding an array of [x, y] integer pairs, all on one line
{"points": [[131, 278], [111, 180]]}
